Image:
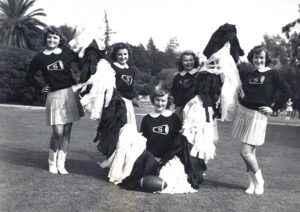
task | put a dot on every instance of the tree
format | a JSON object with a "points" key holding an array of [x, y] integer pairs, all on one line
{"points": [[279, 49], [108, 31], [14, 63], [140, 59], [19, 27], [68, 31]]}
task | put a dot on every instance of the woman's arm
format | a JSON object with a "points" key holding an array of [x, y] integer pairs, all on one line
{"points": [[30, 75]]}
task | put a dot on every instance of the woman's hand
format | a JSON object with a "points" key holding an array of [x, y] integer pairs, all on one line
{"points": [[46, 89], [265, 110]]}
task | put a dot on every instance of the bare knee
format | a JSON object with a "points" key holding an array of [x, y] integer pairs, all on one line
{"points": [[246, 154], [246, 151], [58, 132], [67, 129]]}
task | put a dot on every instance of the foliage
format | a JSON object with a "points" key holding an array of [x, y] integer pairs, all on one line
{"points": [[14, 89], [160, 60], [68, 32], [165, 77], [140, 59], [19, 27], [279, 49]]}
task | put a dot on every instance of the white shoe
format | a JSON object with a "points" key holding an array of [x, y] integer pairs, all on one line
{"points": [[61, 159], [52, 161], [259, 183], [251, 188]]}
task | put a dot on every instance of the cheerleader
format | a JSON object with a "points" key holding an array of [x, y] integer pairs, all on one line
{"points": [[165, 154], [62, 105], [183, 83], [124, 77], [256, 104]]}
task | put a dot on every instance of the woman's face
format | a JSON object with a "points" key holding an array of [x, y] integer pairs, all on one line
{"points": [[160, 103], [122, 56], [259, 60], [188, 62], [52, 41]]}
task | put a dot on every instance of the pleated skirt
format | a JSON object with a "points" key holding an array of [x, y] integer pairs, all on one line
{"points": [[62, 107], [249, 126], [130, 112]]}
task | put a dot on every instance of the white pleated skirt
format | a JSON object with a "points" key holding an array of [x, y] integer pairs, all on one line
{"points": [[62, 107], [130, 112], [249, 126]]}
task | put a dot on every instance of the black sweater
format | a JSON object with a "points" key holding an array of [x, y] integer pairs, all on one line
{"points": [[125, 81], [56, 70], [260, 89]]}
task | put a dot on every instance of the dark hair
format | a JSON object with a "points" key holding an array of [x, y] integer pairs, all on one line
{"points": [[258, 50], [188, 52], [116, 48], [160, 93], [55, 31]]}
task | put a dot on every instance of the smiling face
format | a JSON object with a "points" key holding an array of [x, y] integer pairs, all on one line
{"points": [[160, 103], [188, 62], [52, 41], [259, 60], [122, 56]]}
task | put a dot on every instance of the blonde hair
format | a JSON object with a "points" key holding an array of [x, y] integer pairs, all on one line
{"points": [[160, 93]]}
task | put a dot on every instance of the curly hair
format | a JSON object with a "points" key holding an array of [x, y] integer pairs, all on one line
{"points": [[187, 52], [160, 93], [116, 48], [258, 50], [55, 31]]}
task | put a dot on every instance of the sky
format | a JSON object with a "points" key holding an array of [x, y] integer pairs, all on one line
{"points": [[192, 22]]}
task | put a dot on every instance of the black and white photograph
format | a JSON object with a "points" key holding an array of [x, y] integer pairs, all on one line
{"points": [[149, 106]]}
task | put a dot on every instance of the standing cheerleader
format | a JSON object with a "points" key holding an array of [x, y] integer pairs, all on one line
{"points": [[118, 123], [124, 78], [183, 87], [257, 102], [62, 105]]}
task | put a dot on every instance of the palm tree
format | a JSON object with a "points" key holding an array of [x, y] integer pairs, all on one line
{"points": [[18, 27]]}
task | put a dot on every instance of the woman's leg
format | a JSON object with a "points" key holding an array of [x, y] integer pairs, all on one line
{"points": [[64, 145], [54, 146], [63, 148], [248, 153], [56, 137]]}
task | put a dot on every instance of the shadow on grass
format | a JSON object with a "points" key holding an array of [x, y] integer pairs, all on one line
{"points": [[39, 160], [219, 184]]}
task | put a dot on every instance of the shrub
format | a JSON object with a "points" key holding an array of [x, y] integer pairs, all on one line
{"points": [[14, 89]]}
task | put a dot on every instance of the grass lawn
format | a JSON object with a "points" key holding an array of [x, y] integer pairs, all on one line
{"points": [[26, 185]]}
